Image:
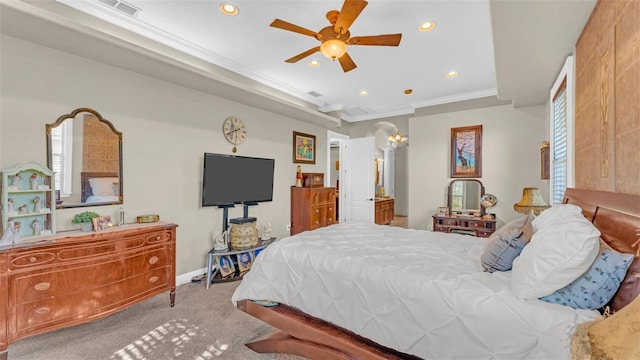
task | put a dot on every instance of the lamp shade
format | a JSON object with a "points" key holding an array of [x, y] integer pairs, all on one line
{"points": [[531, 201]]}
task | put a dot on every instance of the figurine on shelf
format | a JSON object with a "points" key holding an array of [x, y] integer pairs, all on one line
{"points": [[220, 240], [299, 177], [16, 181], [22, 209], [10, 206], [36, 227], [37, 204], [34, 181], [12, 235]]}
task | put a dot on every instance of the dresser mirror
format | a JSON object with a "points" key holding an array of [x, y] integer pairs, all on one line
{"points": [[464, 196], [85, 152]]}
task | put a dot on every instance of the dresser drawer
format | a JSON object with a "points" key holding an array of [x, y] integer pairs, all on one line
{"points": [[34, 286], [41, 285], [147, 261], [159, 237], [79, 305]]}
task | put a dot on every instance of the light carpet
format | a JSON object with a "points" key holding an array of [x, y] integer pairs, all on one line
{"points": [[203, 324]]}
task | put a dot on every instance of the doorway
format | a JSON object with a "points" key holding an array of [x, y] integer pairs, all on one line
{"points": [[336, 152]]}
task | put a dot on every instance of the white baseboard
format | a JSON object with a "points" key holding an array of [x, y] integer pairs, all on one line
{"points": [[186, 278]]}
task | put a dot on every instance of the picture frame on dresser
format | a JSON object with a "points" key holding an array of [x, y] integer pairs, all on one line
{"points": [[304, 148], [466, 152]]}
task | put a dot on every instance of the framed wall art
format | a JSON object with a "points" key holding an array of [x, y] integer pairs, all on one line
{"points": [[304, 148], [466, 152]]}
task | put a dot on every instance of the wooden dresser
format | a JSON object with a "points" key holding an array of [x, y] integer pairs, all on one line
{"points": [[471, 225], [74, 277], [312, 208], [384, 209]]}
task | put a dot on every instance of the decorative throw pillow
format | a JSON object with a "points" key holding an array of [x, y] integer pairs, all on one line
{"points": [[505, 244], [104, 186], [554, 214], [616, 337], [597, 286], [557, 255]]}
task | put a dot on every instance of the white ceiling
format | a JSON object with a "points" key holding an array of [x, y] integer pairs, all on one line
{"points": [[531, 39]]}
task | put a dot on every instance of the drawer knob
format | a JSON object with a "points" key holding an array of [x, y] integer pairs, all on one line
{"points": [[317, 211], [153, 279], [42, 311], [42, 286], [330, 209], [317, 222], [33, 259], [158, 237], [153, 260]]}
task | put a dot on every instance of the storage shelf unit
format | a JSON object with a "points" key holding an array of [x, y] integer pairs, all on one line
{"points": [[27, 198]]}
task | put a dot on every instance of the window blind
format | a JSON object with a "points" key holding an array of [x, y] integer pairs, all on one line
{"points": [[559, 133]]}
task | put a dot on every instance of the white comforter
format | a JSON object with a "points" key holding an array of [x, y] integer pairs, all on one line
{"points": [[419, 292]]}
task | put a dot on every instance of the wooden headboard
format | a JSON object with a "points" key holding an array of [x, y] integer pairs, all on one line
{"points": [[86, 187], [617, 216]]}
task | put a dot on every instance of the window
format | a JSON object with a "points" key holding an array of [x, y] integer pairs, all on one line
{"points": [[61, 146], [561, 126]]}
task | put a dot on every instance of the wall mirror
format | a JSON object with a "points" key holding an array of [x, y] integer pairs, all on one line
{"points": [[465, 195], [85, 152]]}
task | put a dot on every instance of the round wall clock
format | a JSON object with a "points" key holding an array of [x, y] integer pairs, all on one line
{"points": [[234, 131]]}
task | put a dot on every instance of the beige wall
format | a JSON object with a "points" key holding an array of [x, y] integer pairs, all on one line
{"points": [[510, 158], [608, 99], [166, 129]]}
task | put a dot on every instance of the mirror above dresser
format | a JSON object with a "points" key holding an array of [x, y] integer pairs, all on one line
{"points": [[464, 196], [85, 152]]}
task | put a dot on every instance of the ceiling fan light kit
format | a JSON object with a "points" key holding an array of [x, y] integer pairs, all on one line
{"points": [[335, 38]]}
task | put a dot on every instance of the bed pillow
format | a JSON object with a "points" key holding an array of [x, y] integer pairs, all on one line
{"points": [[104, 186], [505, 244], [556, 214], [557, 255], [597, 286]]}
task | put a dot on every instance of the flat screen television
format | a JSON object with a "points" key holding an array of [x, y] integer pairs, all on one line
{"points": [[231, 179]]}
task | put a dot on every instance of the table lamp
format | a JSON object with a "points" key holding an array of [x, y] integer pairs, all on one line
{"points": [[531, 202]]}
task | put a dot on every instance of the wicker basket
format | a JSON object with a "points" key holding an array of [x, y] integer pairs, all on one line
{"points": [[243, 236]]}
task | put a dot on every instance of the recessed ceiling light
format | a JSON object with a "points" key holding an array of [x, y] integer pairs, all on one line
{"points": [[408, 91], [427, 26], [364, 93], [314, 63], [452, 74], [229, 9]]}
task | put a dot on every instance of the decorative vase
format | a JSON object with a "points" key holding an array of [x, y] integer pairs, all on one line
{"points": [[86, 226]]}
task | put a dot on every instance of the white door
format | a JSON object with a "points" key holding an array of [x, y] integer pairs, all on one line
{"points": [[360, 171]]}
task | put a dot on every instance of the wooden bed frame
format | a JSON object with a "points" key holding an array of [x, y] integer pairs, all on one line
{"points": [[86, 187], [617, 216]]}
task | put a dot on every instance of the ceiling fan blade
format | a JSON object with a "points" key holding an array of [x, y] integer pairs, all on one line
{"points": [[376, 40], [303, 55], [347, 63], [350, 11], [280, 24]]}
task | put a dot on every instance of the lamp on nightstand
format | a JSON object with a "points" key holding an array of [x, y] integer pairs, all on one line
{"points": [[531, 202]]}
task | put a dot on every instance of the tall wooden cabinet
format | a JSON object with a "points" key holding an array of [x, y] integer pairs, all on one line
{"points": [[384, 210], [72, 278], [312, 208]]}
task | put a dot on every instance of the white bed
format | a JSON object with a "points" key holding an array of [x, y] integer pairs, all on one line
{"points": [[418, 292]]}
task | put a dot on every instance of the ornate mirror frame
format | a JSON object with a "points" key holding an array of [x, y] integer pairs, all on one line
{"points": [[78, 173], [451, 194]]}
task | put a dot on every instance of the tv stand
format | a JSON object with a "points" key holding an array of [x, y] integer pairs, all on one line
{"points": [[225, 215]]}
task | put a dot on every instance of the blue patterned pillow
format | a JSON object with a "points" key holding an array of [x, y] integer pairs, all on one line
{"points": [[597, 286], [505, 244]]}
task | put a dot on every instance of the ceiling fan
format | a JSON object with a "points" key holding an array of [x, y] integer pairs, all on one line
{"points": [[335, 38]]}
